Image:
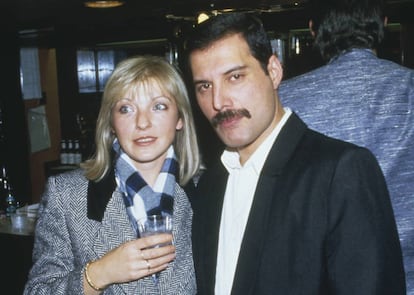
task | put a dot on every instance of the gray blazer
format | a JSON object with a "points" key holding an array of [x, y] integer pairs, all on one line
{"points": [[80, 221]]}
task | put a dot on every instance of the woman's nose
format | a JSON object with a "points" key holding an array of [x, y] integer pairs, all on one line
{"points": [[143, 121]]}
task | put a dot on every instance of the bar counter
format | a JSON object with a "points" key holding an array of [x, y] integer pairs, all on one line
{"points": [[16, 257]]}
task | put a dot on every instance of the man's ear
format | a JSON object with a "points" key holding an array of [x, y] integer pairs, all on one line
{"points": [[312, 31], [275, 69]]}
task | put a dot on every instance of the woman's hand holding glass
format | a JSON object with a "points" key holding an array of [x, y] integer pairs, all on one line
{"points": [[133, 260], [154, 225]]}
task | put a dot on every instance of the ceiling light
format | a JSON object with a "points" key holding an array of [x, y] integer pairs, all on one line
{"points": [[103, 3], [202, 17]]}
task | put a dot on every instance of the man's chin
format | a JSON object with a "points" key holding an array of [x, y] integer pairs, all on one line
{"points": [[233, 143]]}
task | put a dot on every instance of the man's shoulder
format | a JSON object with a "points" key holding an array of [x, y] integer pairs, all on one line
{"points": [[307, 83], [328, 143]]}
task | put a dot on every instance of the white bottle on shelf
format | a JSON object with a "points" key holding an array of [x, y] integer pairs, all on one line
{"points": [[78, 153], [63, 153], [71, 153]]}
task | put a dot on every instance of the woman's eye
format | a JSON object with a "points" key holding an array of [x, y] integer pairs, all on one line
{"points": [[160, 107], [125, 109]]}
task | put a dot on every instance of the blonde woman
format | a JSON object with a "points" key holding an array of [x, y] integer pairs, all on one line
{"points": [[86, 240]]}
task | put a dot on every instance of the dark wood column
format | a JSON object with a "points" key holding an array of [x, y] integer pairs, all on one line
{"points": [[407, 45], [16, 154]]}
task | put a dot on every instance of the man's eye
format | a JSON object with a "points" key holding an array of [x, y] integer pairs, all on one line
{"points": [[235, 77], [204, 87]]}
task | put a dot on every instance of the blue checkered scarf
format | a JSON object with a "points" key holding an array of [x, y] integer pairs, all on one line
{"points": [[140, 199]]}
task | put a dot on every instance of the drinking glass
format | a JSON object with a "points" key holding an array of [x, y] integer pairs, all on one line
{"points": [[152, 225]]}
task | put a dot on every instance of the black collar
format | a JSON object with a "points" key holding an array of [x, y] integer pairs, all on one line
{"points": [[99, 194]]}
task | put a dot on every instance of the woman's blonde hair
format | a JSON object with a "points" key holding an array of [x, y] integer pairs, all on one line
{"points": [[128, 74]]}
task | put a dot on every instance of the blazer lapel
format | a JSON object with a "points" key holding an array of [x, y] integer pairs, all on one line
{"points": [[254, 235], [115, 226], [266, 196], [115, 230], [206, 223]]}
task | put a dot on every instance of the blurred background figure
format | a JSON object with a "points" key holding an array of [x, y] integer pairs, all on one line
{"points": [[361, 98]]}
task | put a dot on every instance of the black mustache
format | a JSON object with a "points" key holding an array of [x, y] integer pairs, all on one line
{"points": [[229, 114]]}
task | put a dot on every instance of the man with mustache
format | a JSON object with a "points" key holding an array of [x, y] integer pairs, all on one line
{"points": [[286, 210]]}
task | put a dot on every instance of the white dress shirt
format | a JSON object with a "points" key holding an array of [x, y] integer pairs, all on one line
{"points": [[238, 198]]}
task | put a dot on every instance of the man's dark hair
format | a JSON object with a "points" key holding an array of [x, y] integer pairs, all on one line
{"points": [[248, 25], [341, 25]]}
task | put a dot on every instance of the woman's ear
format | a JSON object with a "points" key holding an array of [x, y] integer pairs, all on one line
{"points": [[275, 69], [179, 125]]}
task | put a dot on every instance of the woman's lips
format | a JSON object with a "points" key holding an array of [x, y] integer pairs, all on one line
{"points": [[145, 140]]}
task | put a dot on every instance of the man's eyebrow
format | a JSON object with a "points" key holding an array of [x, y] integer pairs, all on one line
{"points": [[200, 82], [236, 68]]}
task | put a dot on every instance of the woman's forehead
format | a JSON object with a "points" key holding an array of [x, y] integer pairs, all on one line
{"points": [[148, 87]]}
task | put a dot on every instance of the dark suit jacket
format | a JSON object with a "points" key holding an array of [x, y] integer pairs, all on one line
{"points": [[321, 222]]}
